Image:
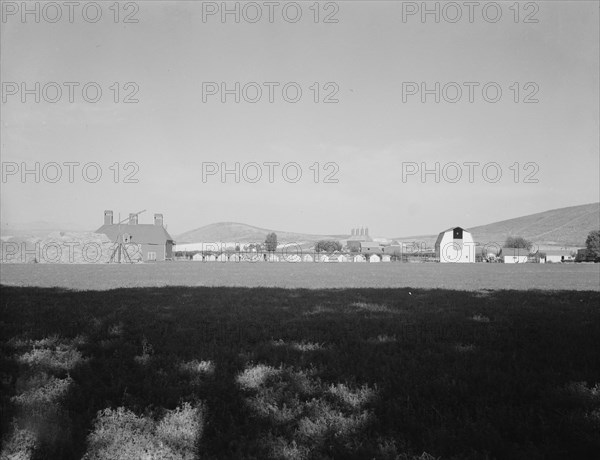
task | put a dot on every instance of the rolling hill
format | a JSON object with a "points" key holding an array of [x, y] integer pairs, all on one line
{"points": [[566, 227], [37, 229], [242, 233]]}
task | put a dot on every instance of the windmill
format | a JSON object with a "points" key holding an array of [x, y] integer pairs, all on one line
{"points": [[121, 242]]}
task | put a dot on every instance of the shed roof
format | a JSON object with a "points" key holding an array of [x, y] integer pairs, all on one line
{"points": [[515, 252], [556, 252]]}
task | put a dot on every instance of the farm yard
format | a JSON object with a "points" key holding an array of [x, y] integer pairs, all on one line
{"points": [[468, 277], [268, 373]]}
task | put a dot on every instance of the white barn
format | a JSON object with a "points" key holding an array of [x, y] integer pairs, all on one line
{"points": [[359, 258], [455, 245], [374, 258]]}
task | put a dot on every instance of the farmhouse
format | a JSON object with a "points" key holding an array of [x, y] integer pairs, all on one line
{"points": [[514, 255], [455, 245], [153, 241]]}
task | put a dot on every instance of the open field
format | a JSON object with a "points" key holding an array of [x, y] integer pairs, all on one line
{"points": [[200, 372], [307, 275]]}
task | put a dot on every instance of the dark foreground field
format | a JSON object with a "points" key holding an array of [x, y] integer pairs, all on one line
{"points": [[184, 372]]}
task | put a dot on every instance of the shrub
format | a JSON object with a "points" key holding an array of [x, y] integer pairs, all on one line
{"points": [[19, 446], [122, 435], [254, 377]]}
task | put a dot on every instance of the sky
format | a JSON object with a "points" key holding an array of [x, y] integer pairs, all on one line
{"points": [[531, 147]]}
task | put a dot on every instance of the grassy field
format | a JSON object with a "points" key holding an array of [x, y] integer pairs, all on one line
{"points": [[307, 275], [266, 373]]}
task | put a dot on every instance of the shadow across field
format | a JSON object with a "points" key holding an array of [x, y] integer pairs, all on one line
{"points": [[279, 373]]}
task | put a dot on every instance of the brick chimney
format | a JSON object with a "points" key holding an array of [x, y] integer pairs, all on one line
{"points": [[133, 219], [108, 217], [158, 220]]}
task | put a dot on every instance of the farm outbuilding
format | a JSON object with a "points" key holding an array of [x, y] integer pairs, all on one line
{"points": [[371, 248], [307, 258], [559, 255], [271, 257], [514, 255], [336, 257], [359, 258], [455, 245], [374, 258], [358, 237], [153, 241]]}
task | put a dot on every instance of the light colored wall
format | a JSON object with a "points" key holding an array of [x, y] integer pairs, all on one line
{"points": [[451, 252], [515, 259]]}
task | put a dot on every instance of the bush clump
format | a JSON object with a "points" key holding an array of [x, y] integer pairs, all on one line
{"points": [[119, 434]]}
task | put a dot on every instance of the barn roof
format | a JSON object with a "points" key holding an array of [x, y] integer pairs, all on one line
{"points": [[451, 229], [140, 233]]}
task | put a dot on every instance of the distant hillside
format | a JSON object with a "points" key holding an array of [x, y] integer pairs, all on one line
{"points": [[36, 229], [242, 233], [557, 227]]}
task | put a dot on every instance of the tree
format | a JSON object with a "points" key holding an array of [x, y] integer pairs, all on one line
{"points": [[254, 247], [271, 242], [592, 243], [518, 242], [328, 246]]}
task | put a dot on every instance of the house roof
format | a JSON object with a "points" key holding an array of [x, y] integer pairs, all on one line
{"points": [[140, 233]]}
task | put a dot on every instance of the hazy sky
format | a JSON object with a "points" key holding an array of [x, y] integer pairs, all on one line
{"points": [[369, 133]]}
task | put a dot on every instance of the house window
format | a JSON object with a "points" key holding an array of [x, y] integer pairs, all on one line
{"points": [[151, 255]]}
